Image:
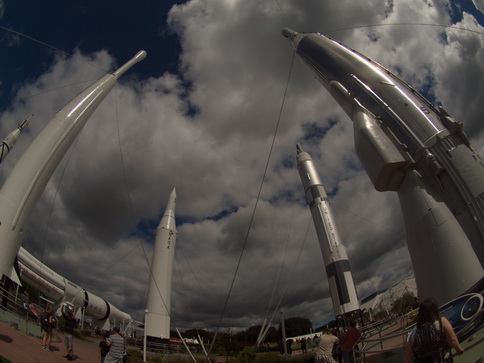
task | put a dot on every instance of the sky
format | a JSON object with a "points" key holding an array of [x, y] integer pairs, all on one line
{"points": [[200, 114]]}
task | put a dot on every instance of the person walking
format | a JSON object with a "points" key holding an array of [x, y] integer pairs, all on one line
{"points": [[433, 336], [303, 346]]}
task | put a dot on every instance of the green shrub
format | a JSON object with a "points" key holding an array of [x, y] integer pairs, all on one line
{"points": [[269, 357], [276, 357], [82, 333], [135, 356], [246, 355], [306, 358]]}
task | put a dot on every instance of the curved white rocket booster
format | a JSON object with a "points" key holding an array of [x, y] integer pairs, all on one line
{"points": [[408, 146], [341, 284], [159, 290], [59, 289], [21, 191]]}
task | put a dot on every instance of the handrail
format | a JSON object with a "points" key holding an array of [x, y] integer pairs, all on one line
{"points": [[374, 337], [13, 304]]}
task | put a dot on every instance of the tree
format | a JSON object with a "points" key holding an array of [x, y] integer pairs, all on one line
{"points": [[249, 336], [193, 333], [297, 326], [230, 342], [272, 335], [403, 304]]}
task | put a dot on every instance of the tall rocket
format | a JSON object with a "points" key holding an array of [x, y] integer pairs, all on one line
{"points": [[341, 285], [159, 290], [26, 182], [409, 146]]}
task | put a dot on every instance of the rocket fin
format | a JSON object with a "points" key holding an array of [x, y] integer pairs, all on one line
{"points": [[14, 276]]}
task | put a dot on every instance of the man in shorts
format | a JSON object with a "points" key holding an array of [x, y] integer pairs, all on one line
{"points": [[70, 322], [47, 322]]}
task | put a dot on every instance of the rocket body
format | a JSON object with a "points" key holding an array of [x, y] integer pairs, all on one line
{"points": [[59, 289], [407, 145], [159, 290], [341, 284], [25, 184]]}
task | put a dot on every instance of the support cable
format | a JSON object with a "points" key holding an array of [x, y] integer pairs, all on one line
{"points": [[255, 206]]}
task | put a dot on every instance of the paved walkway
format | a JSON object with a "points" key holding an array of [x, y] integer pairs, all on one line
{"points": [[20, 348]]}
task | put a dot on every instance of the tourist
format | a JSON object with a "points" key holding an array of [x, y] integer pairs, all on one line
{"points": [[70, 322], [47, 324], [115, 343], [289, 346], [431, 339], [303, 346], [324, 351], [103, 349], [348, 342]]}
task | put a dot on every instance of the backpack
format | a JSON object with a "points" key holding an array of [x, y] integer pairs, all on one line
{"points": [[429, 343], [44, 320]]}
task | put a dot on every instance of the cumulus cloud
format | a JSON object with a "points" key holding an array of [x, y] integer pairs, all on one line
{"points": [[208, 131]]}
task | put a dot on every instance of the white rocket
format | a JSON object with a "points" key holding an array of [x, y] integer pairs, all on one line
{"points": [[407, 145], [341, 285], [60, 289], [157, 323], [25, 184]]}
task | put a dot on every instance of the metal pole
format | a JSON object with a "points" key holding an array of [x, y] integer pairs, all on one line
{"points": [[283, 328], [200, 340], [144, 335], [185, 344]]}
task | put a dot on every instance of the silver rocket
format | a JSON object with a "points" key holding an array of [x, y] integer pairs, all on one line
{"points": [[341, 284], [407, 145], [159, 290], [11, 139], [25, 184]]}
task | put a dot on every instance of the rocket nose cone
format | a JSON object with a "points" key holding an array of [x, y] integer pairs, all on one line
{"points": [[137, 58], [299, 148], [140, 55], [301, 155], [289, 33]]}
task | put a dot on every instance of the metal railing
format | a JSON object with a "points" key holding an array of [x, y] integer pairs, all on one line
{"points": [[384, 337], [16, 313], [163, 348]]}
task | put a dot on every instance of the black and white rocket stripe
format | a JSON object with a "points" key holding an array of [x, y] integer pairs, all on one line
{"points": [[342, 287]]}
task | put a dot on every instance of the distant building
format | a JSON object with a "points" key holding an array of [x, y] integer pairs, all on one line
{"points": [[384, 299]]}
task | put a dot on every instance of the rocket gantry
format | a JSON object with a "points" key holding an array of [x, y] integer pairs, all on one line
{"points": [[341, 284]]}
